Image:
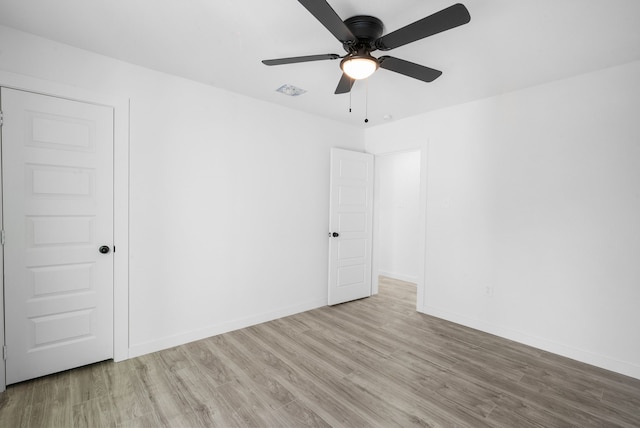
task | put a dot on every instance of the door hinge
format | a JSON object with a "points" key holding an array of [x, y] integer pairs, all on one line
{"points": [[4, 352], [2, 237], [1, 118]]}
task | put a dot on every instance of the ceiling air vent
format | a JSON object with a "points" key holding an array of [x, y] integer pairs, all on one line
{"points": [[290, 90]]}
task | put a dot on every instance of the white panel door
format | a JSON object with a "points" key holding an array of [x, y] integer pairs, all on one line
{"points": [[350, 225], [57, 178]]}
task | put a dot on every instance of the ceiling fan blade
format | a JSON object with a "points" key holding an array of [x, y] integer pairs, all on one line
{"points": [[329, 18], [410, 69], [446, 19], [295, 59], [345, 85]]}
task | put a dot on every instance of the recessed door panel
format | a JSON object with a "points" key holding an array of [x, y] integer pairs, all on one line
{"points": [[59, 231], [355, 196], [60, 132], [353, 222], [354, 169], [352, 249], [60, 329], [55, 280], [55, 181], [351, 275]]}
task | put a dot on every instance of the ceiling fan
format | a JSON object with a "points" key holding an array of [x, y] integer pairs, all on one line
{"points": [[362, 34]]}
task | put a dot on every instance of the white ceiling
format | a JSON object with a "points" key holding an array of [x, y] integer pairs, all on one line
{"points": [[508, 45]]}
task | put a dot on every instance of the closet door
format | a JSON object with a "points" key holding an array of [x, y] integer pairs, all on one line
{"points": [[57, 179]]}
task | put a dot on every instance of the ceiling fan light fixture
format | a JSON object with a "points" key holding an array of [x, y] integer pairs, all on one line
{"points": [[359, 66]]}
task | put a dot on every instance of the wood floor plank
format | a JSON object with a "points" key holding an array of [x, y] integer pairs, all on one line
{"points": [[96, 412], [47, 413], [239, 394], [310, 348], [164, 400], [87, 383], [526, 396], [478, 398], [572, 398], [215, 369], [120, 379], [624, 402], [407, 406], [15, 405], [149, 420], [297, 414], [53, 388], [316, 382], [129, 406]]}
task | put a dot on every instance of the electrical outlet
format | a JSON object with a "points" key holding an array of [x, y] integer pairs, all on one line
{"points": [[488, 290]]}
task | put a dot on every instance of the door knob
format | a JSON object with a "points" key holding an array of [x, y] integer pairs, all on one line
{"points": [[335, 234], [104, 249]]}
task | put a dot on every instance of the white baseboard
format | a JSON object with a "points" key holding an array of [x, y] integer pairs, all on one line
{"points": [[398, 276], [225, 327], [588, 357]]}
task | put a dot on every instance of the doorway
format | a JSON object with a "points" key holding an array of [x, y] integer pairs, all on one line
{"points": [[398, 194], [400, 221]]}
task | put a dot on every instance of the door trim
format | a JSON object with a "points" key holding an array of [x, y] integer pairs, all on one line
{"points": [[121, 108]]}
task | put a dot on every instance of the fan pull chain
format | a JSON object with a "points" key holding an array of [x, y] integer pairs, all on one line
{"points": [[349, 101], [366, 102]]}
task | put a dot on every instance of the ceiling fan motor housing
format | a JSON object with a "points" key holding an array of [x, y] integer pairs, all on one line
{"points": [[367, 30]]}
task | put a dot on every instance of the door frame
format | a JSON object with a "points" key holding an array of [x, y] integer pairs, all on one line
{"points": [[422, 148], [121, 108]]}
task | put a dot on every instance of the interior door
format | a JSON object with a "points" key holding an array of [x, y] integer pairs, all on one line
{"points": [[350, 225], [57, 178]]}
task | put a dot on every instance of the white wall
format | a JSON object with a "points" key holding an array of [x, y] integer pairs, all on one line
{"points": [[228, 196], [397, 197], [535, 195]]}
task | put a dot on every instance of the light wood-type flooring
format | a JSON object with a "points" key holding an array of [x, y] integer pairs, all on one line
{"points": [[375, 362]]}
